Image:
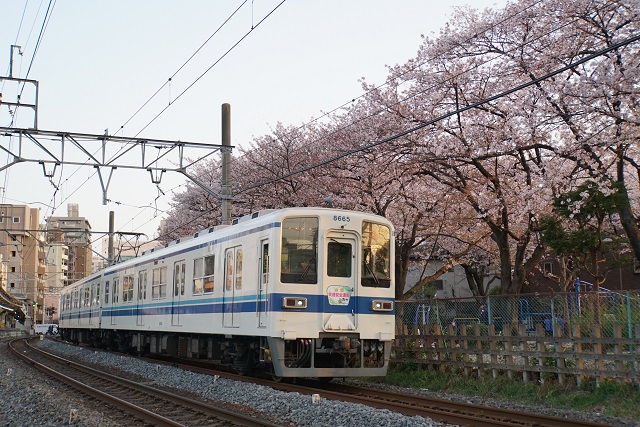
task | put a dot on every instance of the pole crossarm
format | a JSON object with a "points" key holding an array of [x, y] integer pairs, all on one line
{"points": [[81, 141], [53, 148]]}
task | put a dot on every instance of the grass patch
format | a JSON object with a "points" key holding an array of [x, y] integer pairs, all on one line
{"points": [[610, 398]]}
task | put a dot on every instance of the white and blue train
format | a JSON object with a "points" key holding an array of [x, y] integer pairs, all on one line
{"points": [[300, 292]]}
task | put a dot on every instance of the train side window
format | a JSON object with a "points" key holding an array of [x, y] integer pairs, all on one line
{"points": [[116, 290], [209, 270], [198, 274], [239, 269], [265, 263], [183, 276], [376, 260], [229, 282], [127, 288], [299, 253], [159, 283], [203, 274], [87, 299], [96, 295], [142, 285], [179, 273], [106, 292]]}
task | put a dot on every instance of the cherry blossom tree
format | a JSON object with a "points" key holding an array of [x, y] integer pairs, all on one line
{"points": [[465, 146]]}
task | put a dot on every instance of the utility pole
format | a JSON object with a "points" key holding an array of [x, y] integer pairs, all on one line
{"points": [[226, 156], [110, 249]]}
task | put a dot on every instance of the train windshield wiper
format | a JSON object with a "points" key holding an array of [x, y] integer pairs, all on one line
{"points": [[375, 279], [306, 270]]}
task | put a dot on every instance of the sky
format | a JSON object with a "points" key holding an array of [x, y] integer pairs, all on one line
{"points": [[99, 64]]}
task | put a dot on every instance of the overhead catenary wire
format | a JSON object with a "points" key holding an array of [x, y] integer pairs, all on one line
{"points": [[43, 28], [183, 65], [253, 27], [425, 90], [413, 68], [432, 121], [448, 114], [199, 78], [45, 23]]}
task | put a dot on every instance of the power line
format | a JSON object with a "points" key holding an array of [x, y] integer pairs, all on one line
{"points": [[449, 114], [253, 27], [45, 23], [200, 77], [413, 68], [184, 64]]}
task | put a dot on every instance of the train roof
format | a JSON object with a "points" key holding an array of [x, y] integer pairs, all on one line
{"points": [[250, 220]]}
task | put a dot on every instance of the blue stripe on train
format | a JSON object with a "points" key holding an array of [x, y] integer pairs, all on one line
{"points": [[315, 304]]}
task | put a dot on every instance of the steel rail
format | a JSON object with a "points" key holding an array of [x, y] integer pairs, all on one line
{"points": [[441, 410], [139, 412]]}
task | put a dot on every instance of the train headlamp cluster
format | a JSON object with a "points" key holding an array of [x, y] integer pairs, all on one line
{"points": [[380, 305], [294, 302]]}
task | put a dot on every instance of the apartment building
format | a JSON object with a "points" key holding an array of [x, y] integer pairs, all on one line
{"points": [[22, 251], [73, 231]]}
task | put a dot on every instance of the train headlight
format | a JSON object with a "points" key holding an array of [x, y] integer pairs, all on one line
{"points": [[380, 305], [294, 302]]}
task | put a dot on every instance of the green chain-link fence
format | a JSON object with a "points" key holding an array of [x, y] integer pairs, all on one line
{"points": [[564, 309]]}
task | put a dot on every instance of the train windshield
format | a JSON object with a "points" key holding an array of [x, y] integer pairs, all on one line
{"points": [[376, 252], [298, 259]]}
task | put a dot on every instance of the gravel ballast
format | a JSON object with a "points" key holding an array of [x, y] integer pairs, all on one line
{"points": [[30, 398]]}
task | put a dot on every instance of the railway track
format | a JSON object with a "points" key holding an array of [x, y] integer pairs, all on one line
{"points": [[444, 410], [441, 410], [147, 404]]}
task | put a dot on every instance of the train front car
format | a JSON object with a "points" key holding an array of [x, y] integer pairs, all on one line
{"points": [[332, 314]]}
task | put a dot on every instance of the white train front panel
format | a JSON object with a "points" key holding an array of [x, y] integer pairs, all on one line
{"points": [[297, 292]]}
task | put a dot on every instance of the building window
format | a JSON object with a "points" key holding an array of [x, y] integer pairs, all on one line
{"points": [[547, 267], [13, 285], [13, 269], [13, 254], [16, 220]]}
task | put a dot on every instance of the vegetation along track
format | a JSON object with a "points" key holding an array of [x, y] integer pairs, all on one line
{"points": [[153, 406], [445, 411]]}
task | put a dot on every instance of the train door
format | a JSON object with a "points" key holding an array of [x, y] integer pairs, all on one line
{"points": [[340, 274], [179, 273], [262, 302], [232, 291], [142, 296]]}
